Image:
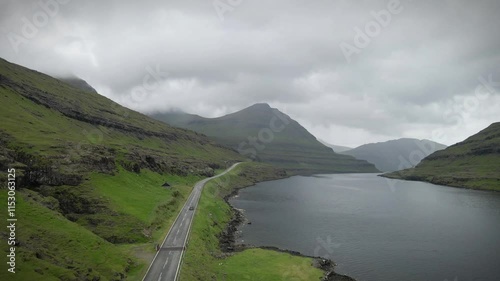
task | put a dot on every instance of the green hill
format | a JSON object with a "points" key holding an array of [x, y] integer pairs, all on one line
{"points": [[472, 163], [394, 155], [266, 134], [91, 178]]}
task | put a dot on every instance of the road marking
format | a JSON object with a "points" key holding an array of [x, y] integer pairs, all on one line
{"points": [[193, 200], [165, 263]]}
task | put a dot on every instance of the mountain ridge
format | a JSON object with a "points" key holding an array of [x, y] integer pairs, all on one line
{"points": [[392, 154], [266, 134]]}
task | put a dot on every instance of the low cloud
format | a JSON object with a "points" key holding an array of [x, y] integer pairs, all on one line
{"points": [[418, 75]]}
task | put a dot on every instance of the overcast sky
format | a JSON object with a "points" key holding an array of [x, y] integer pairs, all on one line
{"points": [[351, 72]]}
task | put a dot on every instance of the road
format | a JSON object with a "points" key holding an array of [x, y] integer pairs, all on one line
{"points": [[167, 261]]}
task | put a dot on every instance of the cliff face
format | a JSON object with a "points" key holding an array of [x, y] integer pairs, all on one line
{"points": [[55, 127]]}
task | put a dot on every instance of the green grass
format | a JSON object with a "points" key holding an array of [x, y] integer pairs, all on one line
{"points": [[482, 177], [472, 163], [63, 250], [259, 264], [53, 248], [204, 260], [54, 131], [140, 194]]}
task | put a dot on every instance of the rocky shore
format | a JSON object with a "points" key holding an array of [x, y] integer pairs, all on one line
{"points": [[227, 243]]}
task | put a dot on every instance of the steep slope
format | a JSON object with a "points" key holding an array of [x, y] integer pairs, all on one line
{"points": [[336, 148], [394, 155], [266, 134], [89, 176], [78, 83], [473, 163]]}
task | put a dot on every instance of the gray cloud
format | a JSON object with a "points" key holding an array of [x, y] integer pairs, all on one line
{"points": [[417, 76]]}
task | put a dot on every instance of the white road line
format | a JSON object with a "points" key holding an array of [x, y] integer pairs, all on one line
{"points": [[192, 199], [165, 263]]}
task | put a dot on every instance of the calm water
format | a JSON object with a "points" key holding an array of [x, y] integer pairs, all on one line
{"points": [[413, 231]]}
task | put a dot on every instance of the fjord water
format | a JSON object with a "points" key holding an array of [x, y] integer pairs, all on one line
{"points": [[378, 229]]}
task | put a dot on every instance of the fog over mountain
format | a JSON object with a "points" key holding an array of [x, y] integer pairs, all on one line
{"points": [[395, 155], [351, 72]]}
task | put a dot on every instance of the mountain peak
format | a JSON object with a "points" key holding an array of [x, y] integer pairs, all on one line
{"points": [[259, 106], [258, 110], [265, 134]]}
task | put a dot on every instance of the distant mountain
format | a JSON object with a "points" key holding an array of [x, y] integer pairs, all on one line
{"points": [[394, 155], [336, 148], [268, 135], [78, 83], [473, 163]]}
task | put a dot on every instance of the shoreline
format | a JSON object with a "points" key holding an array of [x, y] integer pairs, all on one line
{"points": [[390, 175], [227, 241]]}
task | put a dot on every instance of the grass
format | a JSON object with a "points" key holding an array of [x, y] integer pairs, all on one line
{"points": [[204, 260], [143, 197], [51, 131], [53, 248], [472, 163], [129, 192], [259, 264]]}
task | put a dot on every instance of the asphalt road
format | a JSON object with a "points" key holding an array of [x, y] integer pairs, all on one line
{"points": [[167, 261]]}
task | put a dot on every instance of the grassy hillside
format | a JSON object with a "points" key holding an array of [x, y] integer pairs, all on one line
{"points": [[473, 163], [265, 134], [90, 173], [395, 155], [204, 259]]}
